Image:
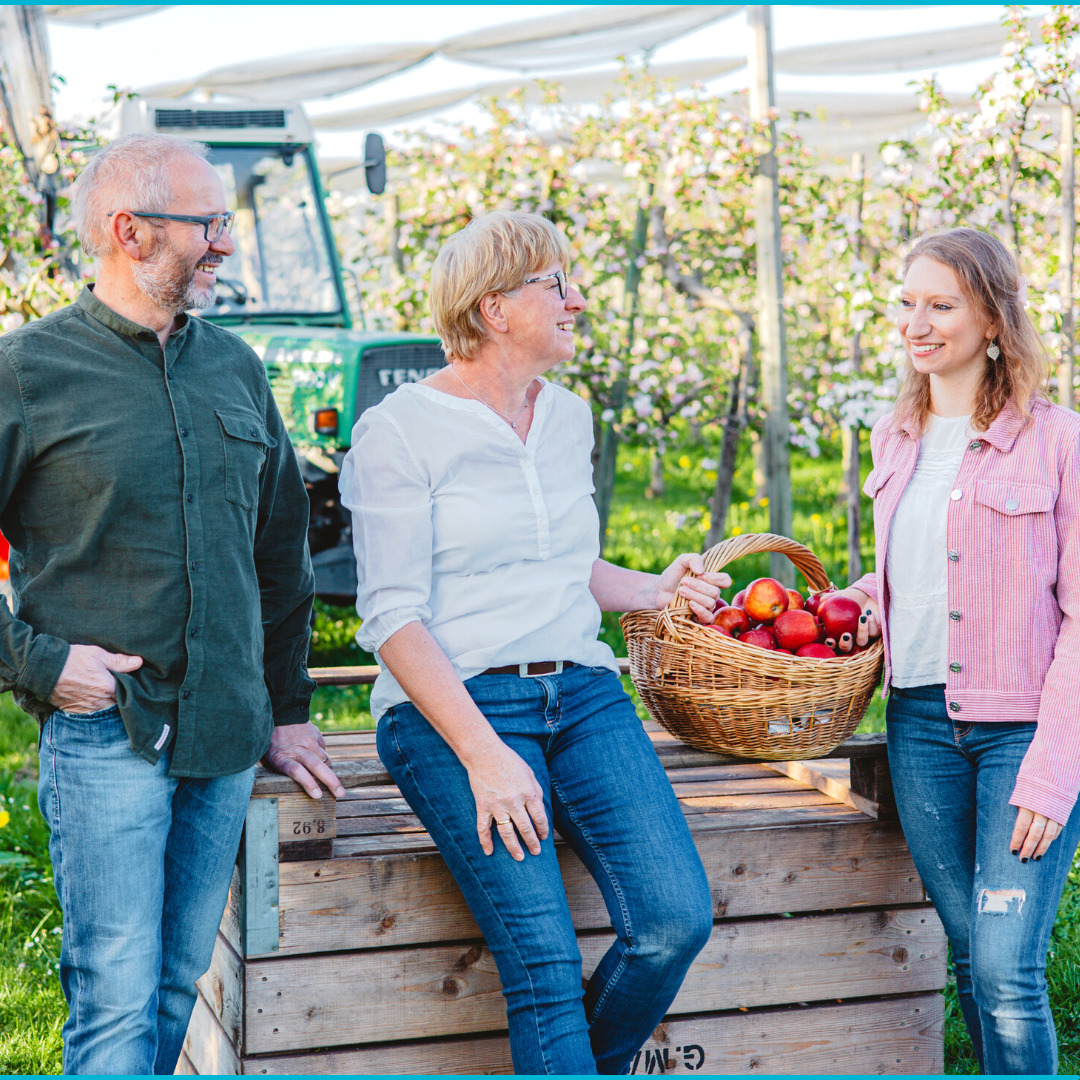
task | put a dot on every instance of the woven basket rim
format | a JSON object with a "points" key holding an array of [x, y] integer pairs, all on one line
{"points": [[720, 694]]}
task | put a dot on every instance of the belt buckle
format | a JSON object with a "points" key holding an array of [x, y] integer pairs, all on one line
{"points": [[524, 673]]}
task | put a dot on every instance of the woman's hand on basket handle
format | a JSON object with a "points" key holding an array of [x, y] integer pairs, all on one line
{"points": [[700, 592], [617, 589], [870, 620]]}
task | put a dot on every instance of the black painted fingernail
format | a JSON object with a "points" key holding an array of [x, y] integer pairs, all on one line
{"points": [[862, 618], [1016, 851], [1024, 859], [1038, 857], [867, 611]]}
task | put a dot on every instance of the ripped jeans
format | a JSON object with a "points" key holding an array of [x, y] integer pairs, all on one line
{"points": [[952, 782]]}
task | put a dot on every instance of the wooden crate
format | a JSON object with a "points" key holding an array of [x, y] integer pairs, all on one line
{"points": [[347, 947]]}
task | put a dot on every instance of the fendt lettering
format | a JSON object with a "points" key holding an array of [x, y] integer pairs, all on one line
{"points": [[398, 376]]}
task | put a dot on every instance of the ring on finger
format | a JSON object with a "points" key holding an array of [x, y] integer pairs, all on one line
{"points": [[500, 824]]}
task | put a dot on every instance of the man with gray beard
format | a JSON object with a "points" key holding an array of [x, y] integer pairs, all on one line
{"points": [[162, 592]]}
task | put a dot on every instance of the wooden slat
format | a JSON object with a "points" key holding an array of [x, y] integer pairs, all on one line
{"points": [[230, 920], [368, 770], [831, 777], [208, 1049], [827, 812], [713, 799], [222, 990], [888, 1036], [301, 818], [395, 994], [384, 900]]}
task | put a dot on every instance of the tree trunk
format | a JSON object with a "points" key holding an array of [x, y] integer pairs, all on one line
{"points": [[605, 452], [1068, 249], [734, 422], [605, 456], [655, 490], [770, 289], [851, 438], [852, 487]]}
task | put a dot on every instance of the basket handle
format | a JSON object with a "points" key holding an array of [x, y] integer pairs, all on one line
{"points": [[734, 547]]}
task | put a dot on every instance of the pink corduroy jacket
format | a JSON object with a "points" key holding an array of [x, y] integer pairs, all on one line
{"points": [[1013, 550]]}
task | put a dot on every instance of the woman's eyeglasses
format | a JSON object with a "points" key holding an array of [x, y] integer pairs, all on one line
{"points": [[559, 276]]}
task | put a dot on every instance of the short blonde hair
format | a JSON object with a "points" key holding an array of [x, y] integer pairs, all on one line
{"points": [[131, 173], [493, 253], [990, 277]]}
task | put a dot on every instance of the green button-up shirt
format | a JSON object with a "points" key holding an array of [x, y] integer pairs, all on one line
{"points": [[154, 507]]}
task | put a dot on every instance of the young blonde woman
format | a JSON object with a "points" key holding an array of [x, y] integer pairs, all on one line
{"points": [[976, 488]]}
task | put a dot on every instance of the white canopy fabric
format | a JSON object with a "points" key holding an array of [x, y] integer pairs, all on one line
{"points": [[98, 14], [24, 89], [591, 36], [908, 52], [575, 89], [557, 42]]}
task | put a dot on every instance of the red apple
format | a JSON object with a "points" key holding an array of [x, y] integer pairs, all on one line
{"points": [[720, 603], [732, 619], [765, 599], [814, 599], [762, 637], [783, 652], [839, 615], [816, 650], [738, 598], [795, 600], [720, 630], [794, 629]]}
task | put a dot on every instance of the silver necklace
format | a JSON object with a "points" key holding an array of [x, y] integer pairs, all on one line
{"points": [[517, 416]]}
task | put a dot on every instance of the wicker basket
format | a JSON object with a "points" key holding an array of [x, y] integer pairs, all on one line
{"points": [[714, 693]]}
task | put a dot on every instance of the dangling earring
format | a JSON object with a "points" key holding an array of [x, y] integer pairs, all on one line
{"points": [[992, 350]]}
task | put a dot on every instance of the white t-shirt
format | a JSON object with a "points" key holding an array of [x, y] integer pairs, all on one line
{"points": [[488, 542], [918, 557]]}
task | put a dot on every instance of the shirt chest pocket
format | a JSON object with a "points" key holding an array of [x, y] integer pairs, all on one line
{"points": [[1017, 521], [877, 480], [245, 445]]}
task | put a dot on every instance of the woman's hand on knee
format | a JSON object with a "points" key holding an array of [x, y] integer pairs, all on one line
{"points": [[509, 798], [1033, 834]]}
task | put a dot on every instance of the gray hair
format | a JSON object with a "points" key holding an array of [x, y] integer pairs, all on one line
{"points": [[131, 173]]}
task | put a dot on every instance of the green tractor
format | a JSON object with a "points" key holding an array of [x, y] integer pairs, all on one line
{"points": [[284, 293]]}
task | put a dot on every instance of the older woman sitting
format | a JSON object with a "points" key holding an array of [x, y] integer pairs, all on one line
{"points": [[481, 589]]}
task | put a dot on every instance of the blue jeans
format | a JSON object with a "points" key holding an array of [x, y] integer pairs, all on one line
{"points": [[142, 863], [952, 782], [607, 794]]}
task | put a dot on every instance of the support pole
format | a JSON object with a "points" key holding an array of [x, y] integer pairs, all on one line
{"points": [[770, 287], [1068, 249], [851, 433]]}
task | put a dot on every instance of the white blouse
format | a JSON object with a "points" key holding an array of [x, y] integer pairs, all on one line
{"points": [[488, 542], [917, 560]]}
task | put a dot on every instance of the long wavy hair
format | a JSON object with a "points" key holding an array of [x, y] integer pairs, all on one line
{"points": [[990, 277]]}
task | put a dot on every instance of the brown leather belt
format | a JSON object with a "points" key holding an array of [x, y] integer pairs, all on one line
{"points": [[537, 667]]}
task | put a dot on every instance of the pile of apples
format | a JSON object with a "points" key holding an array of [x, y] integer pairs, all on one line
{"points": [[769, 616]]}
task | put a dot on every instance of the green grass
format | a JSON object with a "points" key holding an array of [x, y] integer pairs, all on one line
{"points": [[32, 1007]]}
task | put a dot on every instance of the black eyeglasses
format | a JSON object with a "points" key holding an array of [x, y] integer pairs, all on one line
{"points": [[559, 276], [213, 225]]}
